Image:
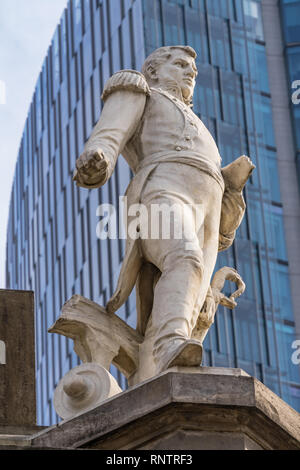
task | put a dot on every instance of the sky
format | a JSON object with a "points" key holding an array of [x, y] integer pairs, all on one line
{"points": [[26, 30]]}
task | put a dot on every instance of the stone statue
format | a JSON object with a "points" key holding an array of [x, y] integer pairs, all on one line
{"points": [[147, 117]]}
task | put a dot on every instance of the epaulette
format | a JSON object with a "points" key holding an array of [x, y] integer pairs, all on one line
{"points": [[131, 80]]}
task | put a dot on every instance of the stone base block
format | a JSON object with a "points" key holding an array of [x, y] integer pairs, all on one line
{"points": [[17, 359], [183, 409]]}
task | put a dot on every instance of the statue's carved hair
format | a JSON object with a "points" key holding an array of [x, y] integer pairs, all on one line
{"points": [[161, 55]]}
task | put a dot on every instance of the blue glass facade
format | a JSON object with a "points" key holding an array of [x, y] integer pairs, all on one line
{"points": [[52, 244], [291, 32], [233, 99]]}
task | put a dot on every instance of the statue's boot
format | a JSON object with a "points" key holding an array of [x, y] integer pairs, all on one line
{"points": [[188, 354]]}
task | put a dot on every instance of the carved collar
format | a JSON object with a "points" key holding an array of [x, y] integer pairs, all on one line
{"points": [[174, 93]]}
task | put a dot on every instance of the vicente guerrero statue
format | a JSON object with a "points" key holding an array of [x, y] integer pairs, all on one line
{"points": [[148, 118]]}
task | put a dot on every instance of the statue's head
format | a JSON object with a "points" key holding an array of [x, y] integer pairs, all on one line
{"points": [[172, 67]]}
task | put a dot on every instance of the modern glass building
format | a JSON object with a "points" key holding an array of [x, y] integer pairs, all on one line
{"points": [[52, 247], [290, 19], [280, 20], [291, 32]]}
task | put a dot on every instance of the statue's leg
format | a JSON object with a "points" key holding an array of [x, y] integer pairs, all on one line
{"points": [[186, 267], [209, 255], [175, 294], [181, 289]]}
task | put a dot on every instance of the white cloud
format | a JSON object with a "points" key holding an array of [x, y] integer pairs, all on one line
{"points": [[26, 30]]}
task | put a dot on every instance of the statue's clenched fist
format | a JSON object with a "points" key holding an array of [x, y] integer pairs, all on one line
{"points": [[91, 169]]}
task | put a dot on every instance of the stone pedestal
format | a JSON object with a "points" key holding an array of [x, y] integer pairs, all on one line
{"points": [[183, 409], [17, 360]]}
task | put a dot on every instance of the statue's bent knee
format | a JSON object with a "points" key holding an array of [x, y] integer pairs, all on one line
{"points": [[192, 259]]}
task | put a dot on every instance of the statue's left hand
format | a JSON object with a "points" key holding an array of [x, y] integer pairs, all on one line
{"points": [[218, 282]]}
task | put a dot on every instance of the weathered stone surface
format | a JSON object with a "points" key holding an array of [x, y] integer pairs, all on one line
{"points": [[17, 374], [98, 336], [17, 436], [182, 409], [201, 440]]}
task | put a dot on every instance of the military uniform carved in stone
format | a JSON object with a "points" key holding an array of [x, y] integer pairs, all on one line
{"points": [[148, 118]]}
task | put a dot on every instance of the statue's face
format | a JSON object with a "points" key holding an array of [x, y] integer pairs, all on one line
{"points": [[179, 68]]}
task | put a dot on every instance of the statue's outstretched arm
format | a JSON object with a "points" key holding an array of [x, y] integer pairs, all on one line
{"points": [[125, 96]]}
